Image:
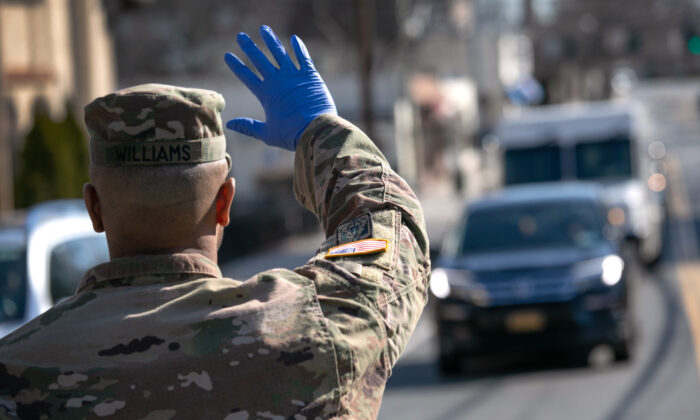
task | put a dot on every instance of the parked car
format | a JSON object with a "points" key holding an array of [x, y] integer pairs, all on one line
{"points": [[531, 267], [13, 276], [43, 260]]}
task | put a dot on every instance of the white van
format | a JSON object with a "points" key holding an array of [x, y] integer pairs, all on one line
{"points": [[595, 141]]}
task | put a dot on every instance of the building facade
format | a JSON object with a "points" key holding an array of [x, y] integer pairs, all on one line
{"points": [[53, 54]]}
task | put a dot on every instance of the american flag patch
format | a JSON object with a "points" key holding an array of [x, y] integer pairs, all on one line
{"points": [[367, 246]]}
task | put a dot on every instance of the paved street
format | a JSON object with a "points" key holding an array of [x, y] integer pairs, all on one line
{"points": [[660, 382]]}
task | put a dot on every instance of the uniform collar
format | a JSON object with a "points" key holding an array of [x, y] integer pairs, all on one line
{"points": [[148, 269]]}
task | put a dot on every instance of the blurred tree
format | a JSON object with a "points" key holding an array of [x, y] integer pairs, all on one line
{"points": [[54, 162], [580, 48]]}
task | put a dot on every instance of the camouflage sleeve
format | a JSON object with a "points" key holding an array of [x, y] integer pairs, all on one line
{"points": [[372, 302]]}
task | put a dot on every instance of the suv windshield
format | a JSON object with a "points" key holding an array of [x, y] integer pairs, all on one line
{"points": [[551, 224], [604, 159], [70, 260], [13, 282]]}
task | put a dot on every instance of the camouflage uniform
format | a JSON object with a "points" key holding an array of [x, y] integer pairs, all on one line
{"points": [[160, 337]]}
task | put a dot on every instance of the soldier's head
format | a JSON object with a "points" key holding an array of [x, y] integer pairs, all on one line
{"points": [[159, 169]]}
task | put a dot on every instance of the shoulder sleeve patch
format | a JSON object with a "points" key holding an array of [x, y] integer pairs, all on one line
{"points": [[356, 229]]}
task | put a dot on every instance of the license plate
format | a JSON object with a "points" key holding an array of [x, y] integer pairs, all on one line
{"points": [[525, 322]]}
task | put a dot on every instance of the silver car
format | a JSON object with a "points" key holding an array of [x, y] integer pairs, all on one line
{"points": [[43, 260]]}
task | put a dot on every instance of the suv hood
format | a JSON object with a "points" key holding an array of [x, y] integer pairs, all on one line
{"points": [[544, 258]]}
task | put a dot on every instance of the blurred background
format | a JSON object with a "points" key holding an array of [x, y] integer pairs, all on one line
{"points": [[553, 144]]}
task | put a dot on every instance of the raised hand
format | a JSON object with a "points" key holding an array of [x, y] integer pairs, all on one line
{"points": [[290, 97]]}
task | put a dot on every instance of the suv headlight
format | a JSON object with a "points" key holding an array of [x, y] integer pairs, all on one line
{"points": [[445, 281], [612, 269], [608, 269], [439, 283]]}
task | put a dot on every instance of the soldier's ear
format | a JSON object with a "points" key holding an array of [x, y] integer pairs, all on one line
{"points": [[224, 198], [92, 204]]}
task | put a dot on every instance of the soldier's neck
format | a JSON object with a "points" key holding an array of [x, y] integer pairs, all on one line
{"points": [[206, 247]]}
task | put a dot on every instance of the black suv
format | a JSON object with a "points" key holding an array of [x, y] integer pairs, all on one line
{"points": [[529, 268]]}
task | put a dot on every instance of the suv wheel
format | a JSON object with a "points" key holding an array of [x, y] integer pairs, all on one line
{"points": [[450, 364], [623, 351]]}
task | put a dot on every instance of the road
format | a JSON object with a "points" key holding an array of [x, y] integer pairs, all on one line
{"points": [[660, 382]]}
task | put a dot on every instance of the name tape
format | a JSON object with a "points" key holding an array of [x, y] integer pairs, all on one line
{"points": [[366, 246], [158, 152]]}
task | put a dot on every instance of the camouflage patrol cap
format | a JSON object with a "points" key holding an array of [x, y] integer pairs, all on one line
{"points": [[156, 124]]}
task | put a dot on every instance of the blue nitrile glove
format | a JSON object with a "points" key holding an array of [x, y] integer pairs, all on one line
{"points": [[291, 98]]}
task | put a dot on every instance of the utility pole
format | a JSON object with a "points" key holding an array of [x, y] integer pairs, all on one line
{"points": [[7, 202], [365, 33]]}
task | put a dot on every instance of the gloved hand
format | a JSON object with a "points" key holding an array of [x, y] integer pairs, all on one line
{"points": [[291, 97]]}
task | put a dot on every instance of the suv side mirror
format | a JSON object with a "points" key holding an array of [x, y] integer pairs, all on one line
{"points": [[434, 253]]}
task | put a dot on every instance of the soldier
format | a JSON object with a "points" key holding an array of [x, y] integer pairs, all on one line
{"points": [[157, 333]]}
